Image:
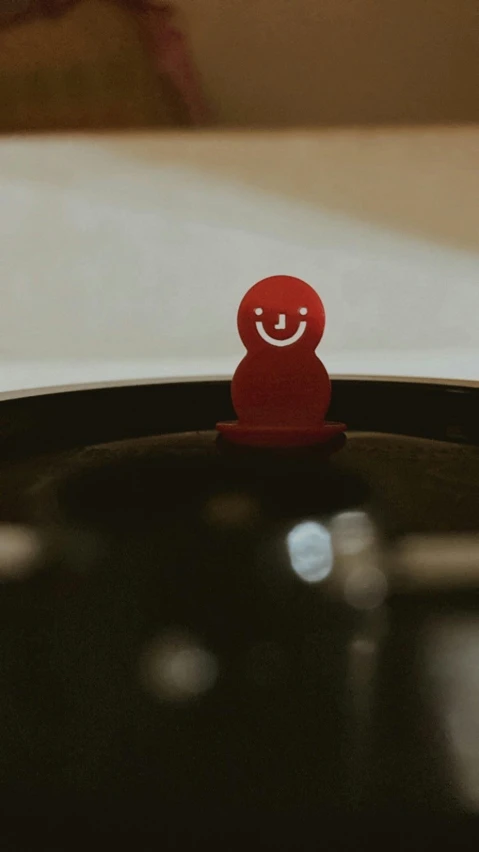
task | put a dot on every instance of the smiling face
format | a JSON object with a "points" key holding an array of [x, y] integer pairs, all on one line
{"points": [[281, 312]]}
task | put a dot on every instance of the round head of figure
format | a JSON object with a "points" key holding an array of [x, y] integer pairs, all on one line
{"points": [[281, 312]]}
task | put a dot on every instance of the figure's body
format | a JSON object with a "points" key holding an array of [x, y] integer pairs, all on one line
{"points": [[272, 388]]}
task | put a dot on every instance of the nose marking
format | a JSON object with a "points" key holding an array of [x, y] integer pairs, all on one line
{"points": [[288, 341], [281, 324]]}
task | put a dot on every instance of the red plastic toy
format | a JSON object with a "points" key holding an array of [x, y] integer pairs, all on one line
{"points": [[281, 390]]}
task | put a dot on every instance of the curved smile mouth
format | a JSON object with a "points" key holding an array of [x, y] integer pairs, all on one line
{"points": [[287, 341]]}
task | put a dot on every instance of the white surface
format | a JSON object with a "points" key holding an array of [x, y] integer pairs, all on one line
{"points": [[125, 258]]}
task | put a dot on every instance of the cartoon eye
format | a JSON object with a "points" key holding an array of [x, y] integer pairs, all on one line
{"points": [[258, 311], [303, 311]]}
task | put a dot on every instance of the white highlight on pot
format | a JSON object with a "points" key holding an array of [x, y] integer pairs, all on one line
{"points": [[175, 667], [20, 548], [310, 551]]}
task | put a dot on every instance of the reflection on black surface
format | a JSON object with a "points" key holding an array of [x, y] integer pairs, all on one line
{"points": [[310, 551], [189, 664], [174, 667], [451, 661], [218, 633]]}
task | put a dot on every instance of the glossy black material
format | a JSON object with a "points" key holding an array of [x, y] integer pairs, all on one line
{"points": [[56, 421], [187, 541], [317, 721]]}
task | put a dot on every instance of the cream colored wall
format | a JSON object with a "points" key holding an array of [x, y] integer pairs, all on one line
{"points": [[276, 62], [140, 247]]}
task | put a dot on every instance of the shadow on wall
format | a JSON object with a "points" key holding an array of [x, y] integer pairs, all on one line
{"points": [[259, 63], [337, 62], [94, 64]]}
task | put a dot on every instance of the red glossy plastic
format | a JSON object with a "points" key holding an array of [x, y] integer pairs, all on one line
{"points": [[281, 390]]}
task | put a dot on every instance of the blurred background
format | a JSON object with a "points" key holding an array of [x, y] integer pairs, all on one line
{"points": [[253, 63], [206, 145]]}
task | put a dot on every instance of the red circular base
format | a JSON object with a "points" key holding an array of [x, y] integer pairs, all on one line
{"points": [[262, 436]]}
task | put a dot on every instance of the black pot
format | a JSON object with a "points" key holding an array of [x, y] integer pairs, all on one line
{"points": [[189, 657]]}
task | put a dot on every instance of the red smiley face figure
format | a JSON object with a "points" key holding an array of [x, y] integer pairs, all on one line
{"points": [[281, 390]]}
